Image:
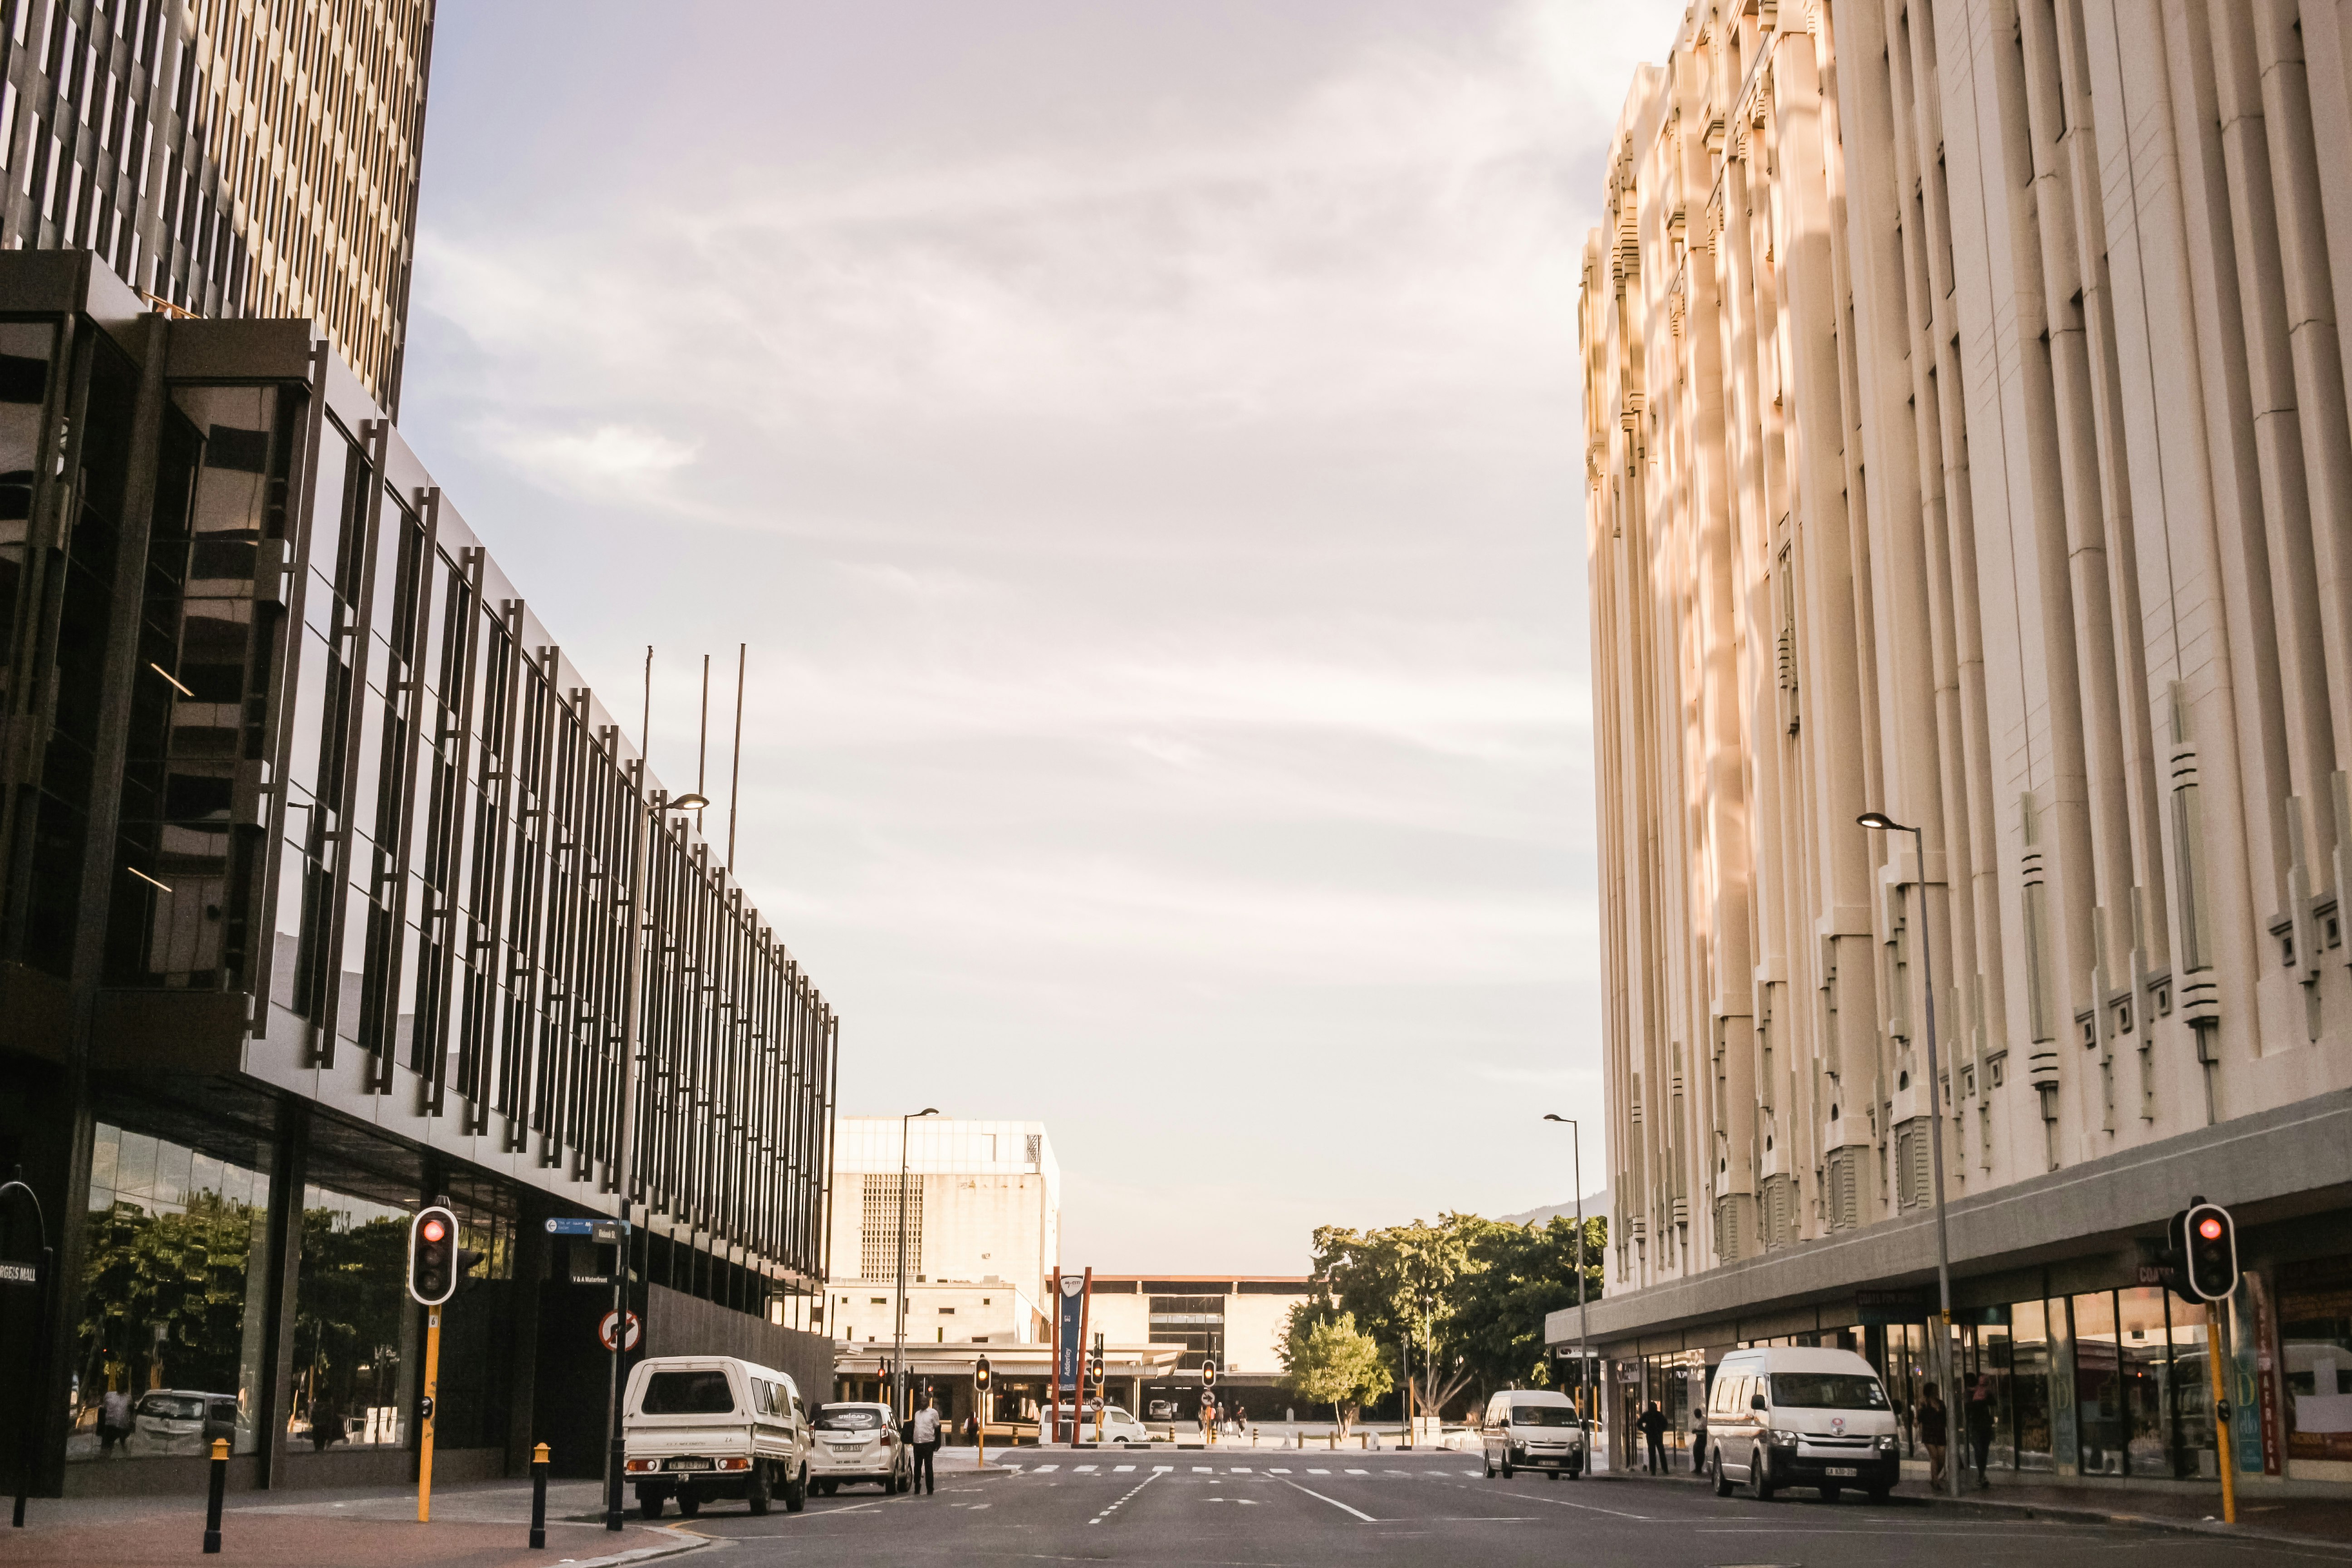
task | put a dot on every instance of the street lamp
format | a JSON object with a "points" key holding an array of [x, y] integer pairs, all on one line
{"points": [[898, 1354], [1879, 822], [1583, 1318], [624, 1155]]}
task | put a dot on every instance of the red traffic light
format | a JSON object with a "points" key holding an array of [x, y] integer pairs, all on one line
{"points": [[433, 1229], [2210, 1228]]}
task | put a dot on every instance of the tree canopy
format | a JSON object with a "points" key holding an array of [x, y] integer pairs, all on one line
{"points": [[1332, 1362]]}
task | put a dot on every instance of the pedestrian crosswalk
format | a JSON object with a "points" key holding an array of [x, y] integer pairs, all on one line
{"points": [[1447, 1469]]}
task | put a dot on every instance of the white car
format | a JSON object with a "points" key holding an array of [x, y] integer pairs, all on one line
{"points": [[182, 1420], [1117, 1426], [700, 1426], [857, 1443]]}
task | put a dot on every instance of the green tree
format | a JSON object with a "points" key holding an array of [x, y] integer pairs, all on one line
{"points": [[1332, 1362], [166, 1288], [1524, 1274], [1405, 1285]]}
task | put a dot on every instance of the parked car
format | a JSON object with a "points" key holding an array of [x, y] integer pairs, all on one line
{"points": [[1797, 1416], [697, 1427], [182, 1420], [1532, 1429], [855, 1443], [1117, 1426]]}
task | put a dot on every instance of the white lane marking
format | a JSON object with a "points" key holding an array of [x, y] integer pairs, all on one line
{"points": [[1043, 1469], [1397, 1472], [1335, 1502], [1139, 1486], [1588, 1507], [1246, 1502], [852, 1508], [1473, 1472], [1319, 1472], [1240, 1470], [1277, 1472], [1161, 1469], [1203, 1470], [1122, 1470], [1359, 1472], [1083, 1470]]}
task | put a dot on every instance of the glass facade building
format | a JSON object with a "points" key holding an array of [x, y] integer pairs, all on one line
{"points": [[318, 871]]}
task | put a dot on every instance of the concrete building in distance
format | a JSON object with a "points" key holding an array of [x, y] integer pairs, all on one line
{"points": [[1967, 438], [982, 1209], [1235, 1319], [227, 157]]}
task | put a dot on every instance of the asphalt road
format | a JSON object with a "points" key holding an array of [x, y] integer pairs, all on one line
{"points": [[1204, 1512]]}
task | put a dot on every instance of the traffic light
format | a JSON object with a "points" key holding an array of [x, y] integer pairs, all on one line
{"points": [[432, 1255], [1208, 1375], [980, 1374], [2210, 1238], [1095, 1364], [469, 1259]]}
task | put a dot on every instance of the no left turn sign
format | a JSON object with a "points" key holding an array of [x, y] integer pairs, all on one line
{"points": [[604, 1330]]}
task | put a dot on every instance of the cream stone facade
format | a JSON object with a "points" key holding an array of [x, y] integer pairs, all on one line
{"points": [[1967, 438]]}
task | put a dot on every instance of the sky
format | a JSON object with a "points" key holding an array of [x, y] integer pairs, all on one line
{"points": [[1139, 447]]}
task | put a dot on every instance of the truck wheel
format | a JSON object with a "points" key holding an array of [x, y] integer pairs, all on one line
{"points": [[1878, 1494], [1831, 1494], [689, 1503], [1490, 1466], [796, 1491], [1506, 1463], [649, 1502], [756, 1493]]}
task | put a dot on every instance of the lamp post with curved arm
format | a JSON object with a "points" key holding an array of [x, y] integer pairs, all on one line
{"points": [[44, 1281], [1879, 822], [1587, 1407], [899, 1411]]}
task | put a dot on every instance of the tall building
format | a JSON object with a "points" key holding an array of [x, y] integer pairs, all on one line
{"points": [[1967, 438], [231, 158], [328, 887]]}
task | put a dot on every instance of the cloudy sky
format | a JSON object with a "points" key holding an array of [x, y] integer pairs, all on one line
{"points": [[1139, 443]]}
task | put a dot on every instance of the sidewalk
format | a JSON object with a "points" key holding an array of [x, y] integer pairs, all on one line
{"points": [[2296, 1521], [483, 1524]]}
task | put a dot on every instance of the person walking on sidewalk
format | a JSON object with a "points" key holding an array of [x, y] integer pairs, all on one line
{"points": [[1980, 1426], [1698, 1440], [1934, 1431], [1653, 1430], [927, 1446]]}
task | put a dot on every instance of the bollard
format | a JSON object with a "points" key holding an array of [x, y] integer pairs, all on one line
{"points": [[213, 1504], [538, 1497]]}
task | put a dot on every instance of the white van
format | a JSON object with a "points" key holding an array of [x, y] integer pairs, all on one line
{"points": [[1532, 1429], [700, 1426], [1795, 1417]]}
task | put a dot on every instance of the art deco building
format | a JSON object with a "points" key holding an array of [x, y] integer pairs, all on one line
{"points": [[1967, 438], [230, 157]]}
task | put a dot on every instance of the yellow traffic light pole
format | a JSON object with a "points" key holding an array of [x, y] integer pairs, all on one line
{"points": [[2223, 1453], [431, 1381]]}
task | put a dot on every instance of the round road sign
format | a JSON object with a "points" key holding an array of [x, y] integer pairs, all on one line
{"points": [[605, 1326]]}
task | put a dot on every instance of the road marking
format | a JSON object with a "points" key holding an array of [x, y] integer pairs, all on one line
{"points": [[1139, 1486], [1359, 1472], [852, 1508], [1083, 1470], [1319, 1472], [1043, 1469], [1588, 1507], [1399, 1472], [1240, 1470], [1161, 1469], [1122, 1470], [1480, 1473], [1277, 1472], [1335, 1502], [1203, 1470]]}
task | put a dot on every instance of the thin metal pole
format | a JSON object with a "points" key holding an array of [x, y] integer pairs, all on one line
{"points": [[1935, 1153], [625, 1149], [735, 776], [703, 746], [899, 1338]]}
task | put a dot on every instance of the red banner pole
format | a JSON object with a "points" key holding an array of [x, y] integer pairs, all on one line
{"points": [[1053, 1367]]}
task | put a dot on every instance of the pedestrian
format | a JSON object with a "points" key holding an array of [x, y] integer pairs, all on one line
{"points": [[926, 1444], [1241, 1420], [113, 1422], [1654, 1429], [1698, 1439], [1981, 1415], [1934, 1431]]}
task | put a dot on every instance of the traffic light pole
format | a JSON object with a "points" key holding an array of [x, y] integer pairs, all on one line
{"points": [[431, 1385], [2226, 1460]]}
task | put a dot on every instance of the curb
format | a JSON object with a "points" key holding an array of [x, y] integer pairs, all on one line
{"points": [[2059, 1513], [679, 1544]]}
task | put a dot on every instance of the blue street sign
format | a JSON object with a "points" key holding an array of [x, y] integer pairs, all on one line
{"points": [[600, 1229]]}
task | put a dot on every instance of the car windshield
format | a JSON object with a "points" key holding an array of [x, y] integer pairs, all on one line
{"points": [[164, 1407], [848, 1419], [1542, 1415], [688, 1394], [1827, 1391]]}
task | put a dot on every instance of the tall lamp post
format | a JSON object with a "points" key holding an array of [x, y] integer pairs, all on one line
{"points": [[1590, 1407], [626, 1151], [1879, 822], [899, 1352]]}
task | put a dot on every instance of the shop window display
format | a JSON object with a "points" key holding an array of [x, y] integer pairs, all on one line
{"points": [[169, 1348], [354, 1351], [2315, 1314]]}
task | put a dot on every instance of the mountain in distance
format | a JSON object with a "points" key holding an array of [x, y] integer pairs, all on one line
{"points": [[1594, 1204]]}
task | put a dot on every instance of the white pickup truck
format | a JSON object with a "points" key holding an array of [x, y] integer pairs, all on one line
{"points": [[696, 1428]]}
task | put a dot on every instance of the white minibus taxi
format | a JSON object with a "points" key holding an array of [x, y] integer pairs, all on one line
{"points": [[1791, 1416]]}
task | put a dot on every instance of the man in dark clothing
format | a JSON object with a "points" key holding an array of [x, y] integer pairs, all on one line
{"points": [[1981, 1415], [1653, 1428], [927, 1447]]}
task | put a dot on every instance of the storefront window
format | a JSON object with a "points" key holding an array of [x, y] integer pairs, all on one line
{"points": [[352, 1331], [477, 1363], [2098, 1387], [2029, 1385], [2316, 1343], [173, 1299]]}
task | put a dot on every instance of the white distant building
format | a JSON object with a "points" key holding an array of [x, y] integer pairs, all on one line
{"points": [[983, 1216]]}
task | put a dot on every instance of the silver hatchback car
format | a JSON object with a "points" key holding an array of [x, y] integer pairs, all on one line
{"points": [[856, 1443]]}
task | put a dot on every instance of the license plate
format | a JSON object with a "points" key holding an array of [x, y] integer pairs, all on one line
{"points": [[1846, 1472], [686, 1464]]}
